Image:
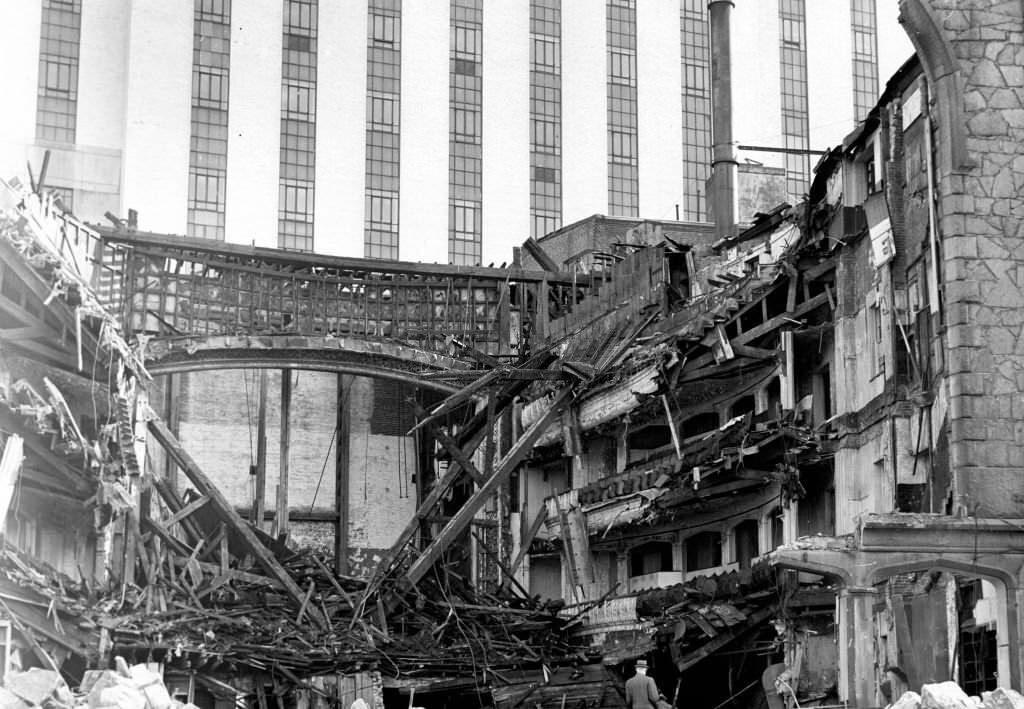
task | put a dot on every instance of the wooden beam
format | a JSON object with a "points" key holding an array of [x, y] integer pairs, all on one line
{"points": [[524, 544], [341, 475], [456, 453], [469, 440], [175, 504], [226, 512], [722, 639], [281, 521], [259, 501], [185, 511], [172, 409], [469, 509]]}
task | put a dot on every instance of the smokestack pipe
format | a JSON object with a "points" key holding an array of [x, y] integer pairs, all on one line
{"points": [[723, 151]]}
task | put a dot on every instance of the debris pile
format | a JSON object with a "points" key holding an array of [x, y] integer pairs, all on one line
{"points": [[189, 612], [136, 687], [949, 695]]}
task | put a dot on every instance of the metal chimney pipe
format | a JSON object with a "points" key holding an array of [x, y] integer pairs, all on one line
{"points": [[723, 151]]}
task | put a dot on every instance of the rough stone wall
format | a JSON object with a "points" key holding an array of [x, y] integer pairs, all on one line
{"points": [[973, 52]]}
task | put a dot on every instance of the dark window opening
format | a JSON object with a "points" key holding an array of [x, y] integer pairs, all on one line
{"points": [[699, 424], [745, 536], [703, 551], [650, 558], [391, 415], [778, 530], [743, 405]]}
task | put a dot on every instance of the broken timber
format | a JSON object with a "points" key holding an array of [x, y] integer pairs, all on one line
{"points": [[468, 510], [227, 513]]}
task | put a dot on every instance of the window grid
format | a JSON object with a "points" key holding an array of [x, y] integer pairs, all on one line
{"points": [[383, 121], [793, 71], [465, 156], [865, 56], [623, 183], [696, 100], [296, 191], [208, 142], [57, 91], [545, 116]]}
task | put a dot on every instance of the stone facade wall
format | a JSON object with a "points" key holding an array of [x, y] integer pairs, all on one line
{"points": [[973, 52]]}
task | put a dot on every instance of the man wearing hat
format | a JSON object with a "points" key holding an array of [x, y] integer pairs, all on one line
{"points": [[641, 690]]}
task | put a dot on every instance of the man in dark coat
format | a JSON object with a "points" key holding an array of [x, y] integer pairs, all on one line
{"points": [[641, 690]]}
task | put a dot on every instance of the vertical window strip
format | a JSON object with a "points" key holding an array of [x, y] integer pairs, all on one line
{"points": [[864, 31], [383, 120], [793, 71], [208, 146], [465, 156], [296, 186], [623, 173], [57, 93], [545, 117], [696, 102]]}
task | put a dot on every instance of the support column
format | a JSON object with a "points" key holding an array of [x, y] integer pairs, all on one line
{"points": [[281, 516], [855, 626], [172, 415], [341, 463], [259, 501]]}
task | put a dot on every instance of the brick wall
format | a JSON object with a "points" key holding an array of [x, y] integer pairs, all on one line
{"points": [[976, 67], [218, 428]]}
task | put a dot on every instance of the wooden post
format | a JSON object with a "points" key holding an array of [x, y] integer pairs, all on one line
{"points": [[341, 463], [465, 515], [281, 518], [172, 414], [259, 503]]}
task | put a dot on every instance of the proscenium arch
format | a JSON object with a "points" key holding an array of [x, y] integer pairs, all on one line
{"points": [[213, 365], [368, 358]]}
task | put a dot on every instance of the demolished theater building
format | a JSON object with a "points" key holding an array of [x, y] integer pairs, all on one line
{"points": [[768, 464]]}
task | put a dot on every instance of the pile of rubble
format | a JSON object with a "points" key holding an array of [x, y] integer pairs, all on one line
{"points": [[136, 687], [949, 695]]}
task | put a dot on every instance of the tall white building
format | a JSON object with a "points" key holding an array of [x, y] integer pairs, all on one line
{"points": [[423, 130]]}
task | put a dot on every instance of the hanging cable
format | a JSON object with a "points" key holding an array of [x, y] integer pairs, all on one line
{"points": [[330, 444]]}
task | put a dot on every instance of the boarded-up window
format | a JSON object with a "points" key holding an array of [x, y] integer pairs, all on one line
{"points": [[392, 413]]}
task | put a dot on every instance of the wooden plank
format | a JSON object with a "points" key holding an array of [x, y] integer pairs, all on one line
{"points": [[260, 494], [450, 445], [185, 511], [469, 509], [175, 504], [172, 407], [712, 646], [227, 513], [10, 466], [531, 533], [341, 475], [281, 520]]}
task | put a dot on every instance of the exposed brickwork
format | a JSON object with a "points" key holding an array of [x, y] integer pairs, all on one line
{"points": [[980, 185], [219, 418]]}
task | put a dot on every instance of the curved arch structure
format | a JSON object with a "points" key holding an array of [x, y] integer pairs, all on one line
{"points": [[886, 545], [348, 355]]}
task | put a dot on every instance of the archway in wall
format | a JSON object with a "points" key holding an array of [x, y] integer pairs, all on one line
{"points": [[940, 623]]}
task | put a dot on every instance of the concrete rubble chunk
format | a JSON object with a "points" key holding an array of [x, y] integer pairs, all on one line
{"points": [[907, 700], [944, 695], [10, 700], [34, 686], [1002, 698]]}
